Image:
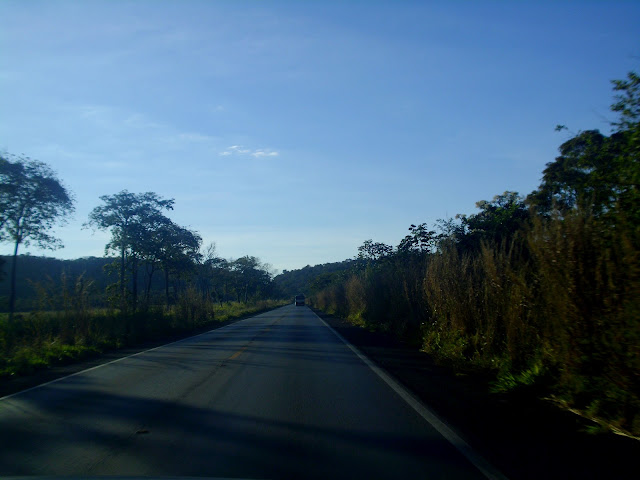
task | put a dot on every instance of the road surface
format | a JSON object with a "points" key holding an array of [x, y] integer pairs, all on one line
{"points": [[275, 396]]}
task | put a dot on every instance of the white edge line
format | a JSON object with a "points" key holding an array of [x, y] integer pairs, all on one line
{"points": [[447, 432], [7, 397]]}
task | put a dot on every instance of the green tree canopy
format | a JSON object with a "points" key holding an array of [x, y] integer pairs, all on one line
{"points": [[627, 102], [130, 217], [597, 172], [174, 248], [419, 240], [587, 174], [497, 221], [32, 200], [251, 277], [371, 251]]}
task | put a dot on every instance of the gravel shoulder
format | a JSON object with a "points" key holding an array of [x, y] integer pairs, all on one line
{"points": [[525, 438]]}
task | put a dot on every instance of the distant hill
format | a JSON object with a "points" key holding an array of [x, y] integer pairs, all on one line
{"points": [[305, 280]]}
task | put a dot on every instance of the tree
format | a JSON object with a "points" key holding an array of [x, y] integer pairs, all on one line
{"points": [[176, 249], [585, 175], [373, 251], [130, 216], [419, 240], [251, 277], [628, 102], [596, 172], [628, 105], [32, 200], [214, 274], [221, 276], [497, 221]]}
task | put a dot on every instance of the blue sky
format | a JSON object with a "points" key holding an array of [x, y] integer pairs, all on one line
{"points": [[294, 131]]}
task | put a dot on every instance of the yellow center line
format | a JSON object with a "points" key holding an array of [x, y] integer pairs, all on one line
{"points": [[237, 354]]}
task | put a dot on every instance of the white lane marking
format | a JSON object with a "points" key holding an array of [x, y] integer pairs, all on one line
{"points": [[234, 324], [447, 432]]}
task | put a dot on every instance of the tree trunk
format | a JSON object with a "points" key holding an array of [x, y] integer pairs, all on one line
{"points": [[148, 289], [12, 294], [122, 268], [134, 278], [166, 284]]}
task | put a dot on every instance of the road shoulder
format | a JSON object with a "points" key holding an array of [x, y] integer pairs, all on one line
{"points": [[11, 385]]}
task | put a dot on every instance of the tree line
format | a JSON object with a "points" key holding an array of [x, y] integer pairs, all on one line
{"points": [[145, 243], [542, 290]]}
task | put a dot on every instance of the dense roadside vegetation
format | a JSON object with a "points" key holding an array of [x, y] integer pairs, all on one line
{"points": [[70, 311], [542, 291], [156, 280], [40, 339]]}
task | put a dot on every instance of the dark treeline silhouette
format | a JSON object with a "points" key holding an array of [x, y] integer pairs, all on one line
{"points": [[40, 280], [309, 279], [543, 291], [39, 274], [156, 260]]}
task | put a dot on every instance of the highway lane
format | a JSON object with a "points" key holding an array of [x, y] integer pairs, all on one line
{"points": [[278, 395]]}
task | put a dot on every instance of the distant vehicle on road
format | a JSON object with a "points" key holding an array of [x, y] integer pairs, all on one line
{"points": [[299, 300]]}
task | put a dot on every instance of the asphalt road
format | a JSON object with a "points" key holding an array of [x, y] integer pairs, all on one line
{"points": [[276, 396]]}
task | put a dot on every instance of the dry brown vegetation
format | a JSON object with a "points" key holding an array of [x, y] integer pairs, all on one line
{"points": [[543, 292]]}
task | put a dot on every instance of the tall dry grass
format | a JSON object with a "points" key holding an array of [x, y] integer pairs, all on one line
{"points": [[588, 310], [66, 329], [553, 312]]}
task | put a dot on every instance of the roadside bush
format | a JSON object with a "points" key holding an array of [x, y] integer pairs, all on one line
{"points": [[554, 311], [39, 339]]}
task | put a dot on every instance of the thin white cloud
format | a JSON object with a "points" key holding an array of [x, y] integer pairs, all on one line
{"points": [[239, 150], [262, 153]]}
